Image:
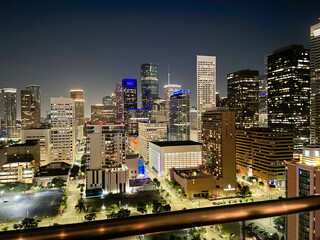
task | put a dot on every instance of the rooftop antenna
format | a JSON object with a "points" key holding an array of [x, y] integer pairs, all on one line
{"points": [[168, 74]]}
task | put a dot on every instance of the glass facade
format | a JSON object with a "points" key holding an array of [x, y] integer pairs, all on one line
{"points": [[149, 83]]}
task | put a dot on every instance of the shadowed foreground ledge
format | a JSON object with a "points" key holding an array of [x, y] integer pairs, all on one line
{"points": [[145, 224]]}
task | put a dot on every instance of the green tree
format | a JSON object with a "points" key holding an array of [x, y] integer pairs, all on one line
{"points": [[81, 205], [167, 208], [4, 228], [156, 182], [90, 217], [123, 213], [74, 171], [279, 221], [58, 182], [142, 208], [114, 208], [156, 206], [27, 223]]}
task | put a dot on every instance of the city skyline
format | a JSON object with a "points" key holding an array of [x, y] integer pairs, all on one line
{"points": [[95, 53]]}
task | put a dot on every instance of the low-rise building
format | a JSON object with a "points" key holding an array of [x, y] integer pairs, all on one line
{"points": [[19, 162], [134, 163], [50, 171], [174, 154]]}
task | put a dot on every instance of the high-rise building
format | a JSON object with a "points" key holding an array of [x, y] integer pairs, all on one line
{"points": [[118, 94], [36, 96], [261, 153], [77, 96], [149, 132], [179, 116], [289, 92], [315, 83], [169, 89], [44, 137], [243, 96], [263, 102], [103, 114], [219, 146], [135, 116], [107, 101], [28, 106], [62, 130], [8, 111], [149, 83], [206, 87], [159, 113], [303, 179], [129, 87], [193, 124], [105, 159]]}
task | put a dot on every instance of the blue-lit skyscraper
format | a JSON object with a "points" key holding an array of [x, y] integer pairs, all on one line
{"points": [[129, 87], [179, 116], [149, 83]]}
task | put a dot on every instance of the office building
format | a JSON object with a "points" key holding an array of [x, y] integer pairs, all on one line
{"points": [[62, 130], [289, 92], [129, 87], [149, 83], [262, 153], [263, 102], [193, 124], [303, 179], [28, 106], [206, 87], [169, 89], [159, 112], [315, 83], [77, 96], [135, 116], [36, 97], [174, 154], [150, 132], [219, 146], [103, 114], [179, 116], [118, 95], [107, 101], [8, 112], [19, 162], [243, 96], [106, 158], [43, 135]]}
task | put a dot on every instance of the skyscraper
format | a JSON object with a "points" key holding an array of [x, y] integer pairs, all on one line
{"points": [[36, 96], [8, 111], [77, 96], [289, 92], [206, 86], [28, 106], [103, 114], [179, 116], [119, 102], [219, 146], [243, 95], [107, 101], [149, 83], [315, 83], [62, 130], [303, 179], [129, 87]]}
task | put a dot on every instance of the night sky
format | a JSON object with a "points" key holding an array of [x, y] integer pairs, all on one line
{"points": [[94, 44]]}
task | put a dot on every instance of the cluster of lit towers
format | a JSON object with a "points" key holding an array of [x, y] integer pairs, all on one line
{"points": [[267, 127]]}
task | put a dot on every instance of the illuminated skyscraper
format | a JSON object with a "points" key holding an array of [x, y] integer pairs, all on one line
{"points": [[206, 86], [119, 102], [62, 130], [36, 96], [28, 106], [107, 101], [289, 92], [243, 96], [8, 111], [149, 83], [129, 87], [179, 116], [219, 145], [77, 96], [315, 83]]}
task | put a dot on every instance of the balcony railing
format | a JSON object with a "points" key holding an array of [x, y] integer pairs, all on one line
{"points": [[163, 222]]}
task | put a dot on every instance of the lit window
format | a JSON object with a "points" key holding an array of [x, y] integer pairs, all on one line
{"points": [[306, 153], [316, 153]]}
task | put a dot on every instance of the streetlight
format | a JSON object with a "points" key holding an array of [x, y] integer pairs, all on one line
{"points": [[103, 207]]}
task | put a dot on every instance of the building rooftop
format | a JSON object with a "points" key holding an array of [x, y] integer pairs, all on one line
{"points": [[191, 173], [175, 143]]}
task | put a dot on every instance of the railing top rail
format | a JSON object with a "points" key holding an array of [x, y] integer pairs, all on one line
{"points": [[152, 223]]}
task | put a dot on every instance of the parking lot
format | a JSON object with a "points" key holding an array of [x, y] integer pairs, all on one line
{"points": [[16, 206]]}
